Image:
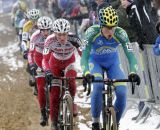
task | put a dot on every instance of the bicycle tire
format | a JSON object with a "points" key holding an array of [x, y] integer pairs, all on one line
{"points": [[111, 119], [67, 113]]}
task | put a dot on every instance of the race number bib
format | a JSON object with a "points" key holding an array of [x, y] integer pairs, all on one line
{"points": [[46, 51]]}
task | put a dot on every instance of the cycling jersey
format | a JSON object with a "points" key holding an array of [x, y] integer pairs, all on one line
{"points": [[102, 49], [28, 30], [59, 58], [35, 54], [60, 51]]}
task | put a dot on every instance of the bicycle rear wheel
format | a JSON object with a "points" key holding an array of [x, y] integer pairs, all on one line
{"points": [[67, 113], [111, 123]]}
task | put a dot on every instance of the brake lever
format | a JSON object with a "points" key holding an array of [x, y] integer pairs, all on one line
{"points": [[133, 87]]}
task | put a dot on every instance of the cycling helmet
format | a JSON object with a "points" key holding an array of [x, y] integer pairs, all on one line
{"points": [[61, 26], [44, 22], [108, 17], [34, 14], [22, 5]]}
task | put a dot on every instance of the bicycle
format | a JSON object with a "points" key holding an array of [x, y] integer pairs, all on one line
{"points": [[108, 112], [65, 114]]}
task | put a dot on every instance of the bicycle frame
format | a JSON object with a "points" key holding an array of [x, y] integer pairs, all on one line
{"points": [[108, 112], [65, 121]]}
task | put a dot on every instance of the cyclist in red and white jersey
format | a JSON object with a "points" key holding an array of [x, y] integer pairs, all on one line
{"points": [[35, 56], [58, 58]]}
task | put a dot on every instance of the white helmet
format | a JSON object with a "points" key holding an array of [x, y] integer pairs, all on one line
{"points": [[61, 26], [34, 14], [44, 22]]}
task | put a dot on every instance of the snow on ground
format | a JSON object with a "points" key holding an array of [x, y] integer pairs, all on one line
{"points": [[126, 122], [8, 57], [150, 124]]}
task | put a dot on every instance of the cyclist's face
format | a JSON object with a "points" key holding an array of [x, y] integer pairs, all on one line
{"points": [[45, 32], [62, 37], [108, 32]]}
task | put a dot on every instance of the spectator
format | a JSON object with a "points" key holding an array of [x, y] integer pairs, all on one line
{"points": [[141, 20]]}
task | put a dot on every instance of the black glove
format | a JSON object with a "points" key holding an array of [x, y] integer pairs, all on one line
{"points": [[32, 69], [25, 55], [87, 79], [133, 77], [48, 76]]}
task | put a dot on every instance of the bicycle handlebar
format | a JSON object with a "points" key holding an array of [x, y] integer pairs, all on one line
{"points": [[66, 78], [109, 81]]}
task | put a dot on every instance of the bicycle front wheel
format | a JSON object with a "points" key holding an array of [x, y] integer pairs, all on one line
{"points": [[68, 113], [111, 123]]}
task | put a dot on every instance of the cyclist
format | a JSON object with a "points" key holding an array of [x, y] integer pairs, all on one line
{"points": [[58, 58], [101, 53], [35, 58], [19, 10], [28, 29]]}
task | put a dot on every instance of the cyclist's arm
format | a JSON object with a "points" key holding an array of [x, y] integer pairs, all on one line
{"points": [[76, 41], [46, 55], [156, 47], [89, 36], [128, 49]]}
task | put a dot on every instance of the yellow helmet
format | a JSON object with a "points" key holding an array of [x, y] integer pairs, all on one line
{"points": [[108, 17], [22, 5]]}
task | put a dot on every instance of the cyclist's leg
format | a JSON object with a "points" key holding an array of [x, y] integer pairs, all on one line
{"points": [[40, 80], [55, 95], [115, 72], [70, 71], [96, 97]]}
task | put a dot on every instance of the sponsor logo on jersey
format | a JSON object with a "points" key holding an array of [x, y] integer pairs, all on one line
{"points": [[100, 42], [129, 46], [105, 50]]}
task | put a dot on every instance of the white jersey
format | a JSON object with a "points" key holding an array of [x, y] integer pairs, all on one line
{"points": [[62, 51]]}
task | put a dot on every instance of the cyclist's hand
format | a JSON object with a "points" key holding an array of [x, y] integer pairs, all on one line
{"points": [[25, 55], [33, 69], [48, 76], [87, 79], [133, 77]]}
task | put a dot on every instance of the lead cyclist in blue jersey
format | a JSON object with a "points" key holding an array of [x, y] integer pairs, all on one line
{"points": [[100, 53]]}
